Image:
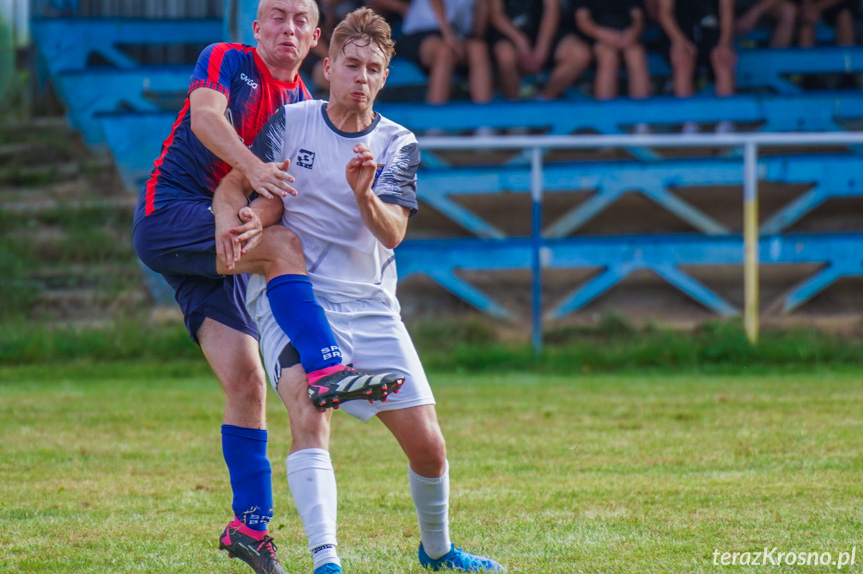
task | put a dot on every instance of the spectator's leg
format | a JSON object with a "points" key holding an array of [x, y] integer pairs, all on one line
{"points": [[845, 28], [440, 60], [507, 69], [724, 67], [806, 35], [571, 58], [637, 73], [607, 70], [683, 74], [785, 14], [480, 81]]}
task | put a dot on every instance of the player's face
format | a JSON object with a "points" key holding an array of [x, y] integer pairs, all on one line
{"points": [[356, 75], [285, 31]]}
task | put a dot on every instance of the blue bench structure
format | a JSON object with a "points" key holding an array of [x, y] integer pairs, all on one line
{"points": [[829, 175], [121, 83], [67, 46], [840, 255], [128, 106]]}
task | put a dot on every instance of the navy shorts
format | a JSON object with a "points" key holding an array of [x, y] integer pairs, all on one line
{"points": [[178, 242]]}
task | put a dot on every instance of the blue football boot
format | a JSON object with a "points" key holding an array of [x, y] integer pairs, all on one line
{"points": [[460, 561], [329, 569]]}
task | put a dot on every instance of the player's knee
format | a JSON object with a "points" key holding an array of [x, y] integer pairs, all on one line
{"points": [[430, 459], [248, 390], [285, 241], [310, 428], [283, 252]]}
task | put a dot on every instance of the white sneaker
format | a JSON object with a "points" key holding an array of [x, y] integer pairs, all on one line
{"points": [[689, 128], [641, 129], [724, 127]]}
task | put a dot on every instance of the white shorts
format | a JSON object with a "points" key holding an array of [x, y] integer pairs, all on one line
{"points": [[370, 335]]}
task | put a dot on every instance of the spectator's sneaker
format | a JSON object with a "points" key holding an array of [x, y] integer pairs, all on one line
{"points": [[241, 542], [329, 569], [724, 127], [338, 384], [689, 128], [460, 561]]}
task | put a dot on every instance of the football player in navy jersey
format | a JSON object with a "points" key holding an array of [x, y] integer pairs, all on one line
{"points": [[233, 91]]}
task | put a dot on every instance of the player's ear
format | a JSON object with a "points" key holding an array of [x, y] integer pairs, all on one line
{"points": [[256, 30], [316, 36], [327, 65]]}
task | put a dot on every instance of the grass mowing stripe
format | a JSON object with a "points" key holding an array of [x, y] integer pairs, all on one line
{"points": [[118, 468]]}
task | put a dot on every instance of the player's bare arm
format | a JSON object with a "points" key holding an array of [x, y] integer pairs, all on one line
{"points": [[239, 224], [387, 222], [211, 126]]}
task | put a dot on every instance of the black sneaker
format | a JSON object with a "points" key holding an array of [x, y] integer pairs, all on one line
{"points": [[259, 554], [344, 383]]}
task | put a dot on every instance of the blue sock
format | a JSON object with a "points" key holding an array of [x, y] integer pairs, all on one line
{"points": [[303, 321], [245, 452]]}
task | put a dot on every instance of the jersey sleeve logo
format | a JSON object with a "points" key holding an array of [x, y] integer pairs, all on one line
{"points": [[305, 158], [378, 172]]}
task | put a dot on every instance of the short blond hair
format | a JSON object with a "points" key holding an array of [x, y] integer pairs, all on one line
{"points": [[313, 10], [363, 27]]}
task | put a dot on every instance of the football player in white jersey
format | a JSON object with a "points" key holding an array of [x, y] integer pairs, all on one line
{"points": [[355, 173]]}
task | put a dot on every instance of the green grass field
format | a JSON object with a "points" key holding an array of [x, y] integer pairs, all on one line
{"points": [[117, 468]]}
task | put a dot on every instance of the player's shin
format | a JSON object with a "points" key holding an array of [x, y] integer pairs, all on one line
{"points": [[312, 482], [245, 452], [295, 309], [431, 498]]}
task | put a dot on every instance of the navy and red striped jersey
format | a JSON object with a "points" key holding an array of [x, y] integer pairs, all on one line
{"points": [[185, 168]]}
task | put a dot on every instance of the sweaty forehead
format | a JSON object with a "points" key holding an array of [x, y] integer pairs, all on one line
{"points": [[286, 6], [363, 50]]}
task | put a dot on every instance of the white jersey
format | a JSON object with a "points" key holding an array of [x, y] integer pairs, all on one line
{"points": [[345, 261]]}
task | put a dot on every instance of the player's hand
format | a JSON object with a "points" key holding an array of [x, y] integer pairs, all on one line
{"points": [[271, 179], [226, 251], [360, 171], [248, 235]]}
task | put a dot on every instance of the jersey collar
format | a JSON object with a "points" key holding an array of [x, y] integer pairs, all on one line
{"points": [[366, 131]]}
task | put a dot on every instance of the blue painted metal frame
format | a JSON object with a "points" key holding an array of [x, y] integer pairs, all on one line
{"points": [[831, 175], [66, 44], [771, 67], [135, 138], [822, 111], [441, 260]]}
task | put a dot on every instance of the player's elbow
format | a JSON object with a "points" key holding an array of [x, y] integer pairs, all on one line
{"points": [[393, 239]]}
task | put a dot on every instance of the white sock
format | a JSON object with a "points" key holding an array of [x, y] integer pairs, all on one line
{"points": [[312, 481], [431, 498]]}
